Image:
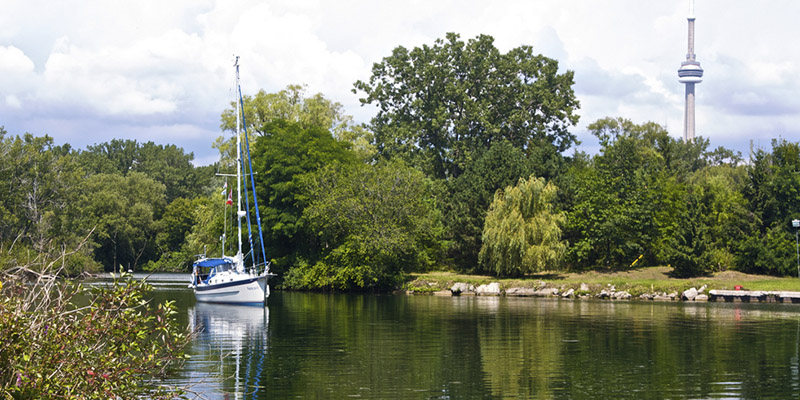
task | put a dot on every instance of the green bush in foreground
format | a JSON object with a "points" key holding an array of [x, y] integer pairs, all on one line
{"points": [[65, 341]]}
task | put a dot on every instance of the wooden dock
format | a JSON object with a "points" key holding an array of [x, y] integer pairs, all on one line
{"points": [[753, 296]]}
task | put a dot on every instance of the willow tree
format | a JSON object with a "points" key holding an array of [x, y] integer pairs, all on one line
{"points": [[521, 233]]}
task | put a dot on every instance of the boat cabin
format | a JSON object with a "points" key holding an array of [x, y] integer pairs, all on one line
{"points": [[208, 268]]}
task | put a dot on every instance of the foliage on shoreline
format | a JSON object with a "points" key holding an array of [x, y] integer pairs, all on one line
{"points": [[65, 340], [107, 200], [375, 224]]}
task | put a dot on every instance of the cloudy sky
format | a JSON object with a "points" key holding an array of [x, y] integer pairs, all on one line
{"points": [[87, 71]]}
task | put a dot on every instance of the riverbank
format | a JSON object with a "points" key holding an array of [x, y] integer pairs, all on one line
{"points": [[642, 283]]}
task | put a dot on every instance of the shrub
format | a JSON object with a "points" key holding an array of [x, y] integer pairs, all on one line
{"points": [[64, 340]]}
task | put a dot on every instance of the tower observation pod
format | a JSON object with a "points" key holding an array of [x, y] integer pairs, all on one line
{"points": [[689, 74]]}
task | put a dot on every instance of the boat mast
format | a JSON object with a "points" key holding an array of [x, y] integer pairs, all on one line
{"points": [[224, 216], [240, 213]]}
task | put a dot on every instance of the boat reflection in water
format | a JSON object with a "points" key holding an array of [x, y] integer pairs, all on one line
{"points": [[229, 351]]}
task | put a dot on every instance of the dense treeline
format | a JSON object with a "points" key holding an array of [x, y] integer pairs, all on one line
{"points": [[468, 165], [120, 204]]}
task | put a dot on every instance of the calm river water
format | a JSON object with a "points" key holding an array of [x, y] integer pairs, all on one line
{"points": [[339, 346]]}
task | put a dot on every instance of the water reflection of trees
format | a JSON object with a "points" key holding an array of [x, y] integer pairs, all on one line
{"points": [[337, 346], [579, 349]]}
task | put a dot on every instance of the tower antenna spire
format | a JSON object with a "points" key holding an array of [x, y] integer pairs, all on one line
{"points": [[690, 73]]}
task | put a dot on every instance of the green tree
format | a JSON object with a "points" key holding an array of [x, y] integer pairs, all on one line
{"points": [[282, 157], [773, 194], [292, 105], [179, 229], [522, 233], [470, 194], [121, 211], [38, 179], [167, 164], [650, 195], [373, 224], [624, 199], [51, 202], [774, 184], [172, 167], [677, 157], [611, 222], [688, 247], [115, 156], [712, 220], [209, 223], [770, 253], [440, 105], [39, 183], [177, 220]]}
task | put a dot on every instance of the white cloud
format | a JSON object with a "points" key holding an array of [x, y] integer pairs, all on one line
{"points": [[13, 101], [16, 70], [14, 61], [152, 75], [162, 70], [772, 73]]}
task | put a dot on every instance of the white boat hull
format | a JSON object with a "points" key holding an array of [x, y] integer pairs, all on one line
{"points": [[242, 289]]}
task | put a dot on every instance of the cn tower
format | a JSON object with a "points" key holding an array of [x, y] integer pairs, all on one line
{"points": [[690, 73]]}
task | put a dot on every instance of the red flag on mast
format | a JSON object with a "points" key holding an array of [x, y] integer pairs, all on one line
{"points": [[230, 198]]}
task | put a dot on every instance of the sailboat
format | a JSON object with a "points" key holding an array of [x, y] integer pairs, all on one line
{"points": [[241, 278]]}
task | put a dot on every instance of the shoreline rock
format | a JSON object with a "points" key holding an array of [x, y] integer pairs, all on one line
{"points": [[585, 291], [623, 295], [460, 288], [492, 289], [689, 294], [520, 292]]}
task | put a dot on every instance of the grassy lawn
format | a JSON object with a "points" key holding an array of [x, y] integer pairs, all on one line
{"points": [[636, 281]]}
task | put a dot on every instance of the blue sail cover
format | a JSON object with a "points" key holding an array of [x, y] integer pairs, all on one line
{"points": [[253, 186], [212, 262]]}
